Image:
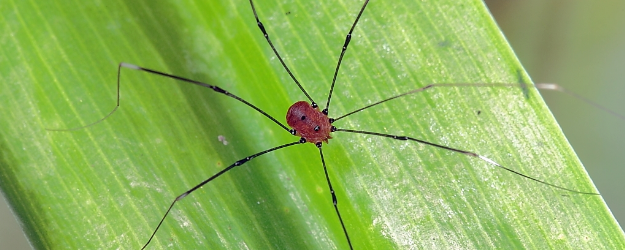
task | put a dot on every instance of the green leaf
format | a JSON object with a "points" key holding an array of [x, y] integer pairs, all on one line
{"points": [[108, 185]]}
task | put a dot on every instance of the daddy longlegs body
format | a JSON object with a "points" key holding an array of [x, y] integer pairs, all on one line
{"points": [[311, 123]]}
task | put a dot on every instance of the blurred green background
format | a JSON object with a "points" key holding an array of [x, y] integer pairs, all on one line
{"points": [[578, 44], [581, 46]]}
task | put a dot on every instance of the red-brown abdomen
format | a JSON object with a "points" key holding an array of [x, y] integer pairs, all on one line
{"points": [[303, 118]]}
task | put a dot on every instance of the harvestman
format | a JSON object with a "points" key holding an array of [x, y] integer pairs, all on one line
{"points": [[314, 126]]}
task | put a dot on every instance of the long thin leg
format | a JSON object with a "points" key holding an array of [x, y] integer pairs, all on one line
{"points": [[213, 87], [334, 201], [467, 153], [237, 163], [430, 86], [556, 87], [348, 38], [546, 86], [262, 29]]}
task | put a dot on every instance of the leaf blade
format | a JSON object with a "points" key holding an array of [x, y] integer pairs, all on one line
{"points": [[156, 146]]}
